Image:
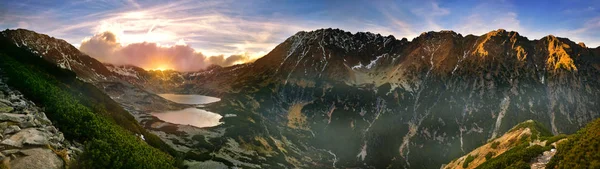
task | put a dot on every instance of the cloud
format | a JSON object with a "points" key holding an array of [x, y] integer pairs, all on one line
{"points": [[479, 24], [227, 27], [196, 22], [231, 60], [217, 27], [587, 32], [101, 46], [148, 55], [430, 13]]}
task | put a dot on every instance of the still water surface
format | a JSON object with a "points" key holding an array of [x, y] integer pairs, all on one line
{"points": [[190, 116], [189, 98]]}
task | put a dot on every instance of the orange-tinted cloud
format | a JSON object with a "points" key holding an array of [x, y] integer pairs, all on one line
{"points": [[231, 60], [106, 48]]}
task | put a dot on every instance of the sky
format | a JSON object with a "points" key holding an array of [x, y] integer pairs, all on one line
{"points": [[191, 35]]}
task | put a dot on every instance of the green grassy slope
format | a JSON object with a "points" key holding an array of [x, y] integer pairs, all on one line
{"points": [[580, 150], [520, 155]]}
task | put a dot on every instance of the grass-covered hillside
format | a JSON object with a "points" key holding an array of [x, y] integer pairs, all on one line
{"points": [[83, 113], [515, 149], [580, 150], [524, 143]]}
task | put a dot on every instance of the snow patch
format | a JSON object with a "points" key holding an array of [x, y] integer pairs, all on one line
{"points": [[370, 65], [363, 152], [124, 71]]}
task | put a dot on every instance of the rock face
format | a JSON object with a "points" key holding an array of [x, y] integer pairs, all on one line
{"points": [[27, 134]]}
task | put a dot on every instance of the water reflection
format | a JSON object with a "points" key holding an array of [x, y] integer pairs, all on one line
{"points": [[190, 116], [189, 99]]}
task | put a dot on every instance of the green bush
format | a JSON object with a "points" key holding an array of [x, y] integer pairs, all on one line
{"points": [[534, 126], [555, 138], [514, 158], [468, 160], [489, 155], [581, 150], [107, 144], [495, 144]]}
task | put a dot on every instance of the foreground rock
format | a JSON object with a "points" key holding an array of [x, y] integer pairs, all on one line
{"points": [[28, 140], [37, 158]]}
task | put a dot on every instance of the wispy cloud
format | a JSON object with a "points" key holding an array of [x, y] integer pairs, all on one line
{"points": [[587, 32], [430, 13], [487, 16]]}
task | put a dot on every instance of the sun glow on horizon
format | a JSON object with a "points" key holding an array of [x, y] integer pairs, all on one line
{"points": [[161, 68]]}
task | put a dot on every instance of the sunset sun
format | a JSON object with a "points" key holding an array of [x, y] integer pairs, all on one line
{"points": [[161, 68]]}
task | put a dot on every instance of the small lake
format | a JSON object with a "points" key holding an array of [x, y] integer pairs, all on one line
{"points": [[189, 99], [190, 116], [193, 115]]}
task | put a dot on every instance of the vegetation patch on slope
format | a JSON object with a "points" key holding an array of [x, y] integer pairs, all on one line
{"points": [[516, 148], [580, 150], [517, 157], [107, 144], [296, 119]]}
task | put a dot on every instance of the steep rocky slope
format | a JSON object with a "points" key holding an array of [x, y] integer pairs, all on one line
{"points": [[330, 99], [59, 52], [29, 140]]}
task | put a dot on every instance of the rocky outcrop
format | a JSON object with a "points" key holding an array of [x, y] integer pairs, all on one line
{"points": [[28, 138]]}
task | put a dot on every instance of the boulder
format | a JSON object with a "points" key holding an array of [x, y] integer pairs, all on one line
{"points": [[38, 158], [29, 136], [9, 152], [43, 119], [31, 122], [11, 129], [4, 125], [5, 101], [19, 104], [4, 108], [19, 118]]}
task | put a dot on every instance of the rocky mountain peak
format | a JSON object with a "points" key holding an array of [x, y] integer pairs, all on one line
{"points": [[446, 34], [57, 51], [489, 42], [24, 37], [341, 39]]}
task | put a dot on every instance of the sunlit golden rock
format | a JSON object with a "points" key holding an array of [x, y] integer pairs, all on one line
{"points": [[480, 49], [558, 57]]}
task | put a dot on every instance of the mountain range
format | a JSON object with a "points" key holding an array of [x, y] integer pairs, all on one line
{"points": [[333, 99]]}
